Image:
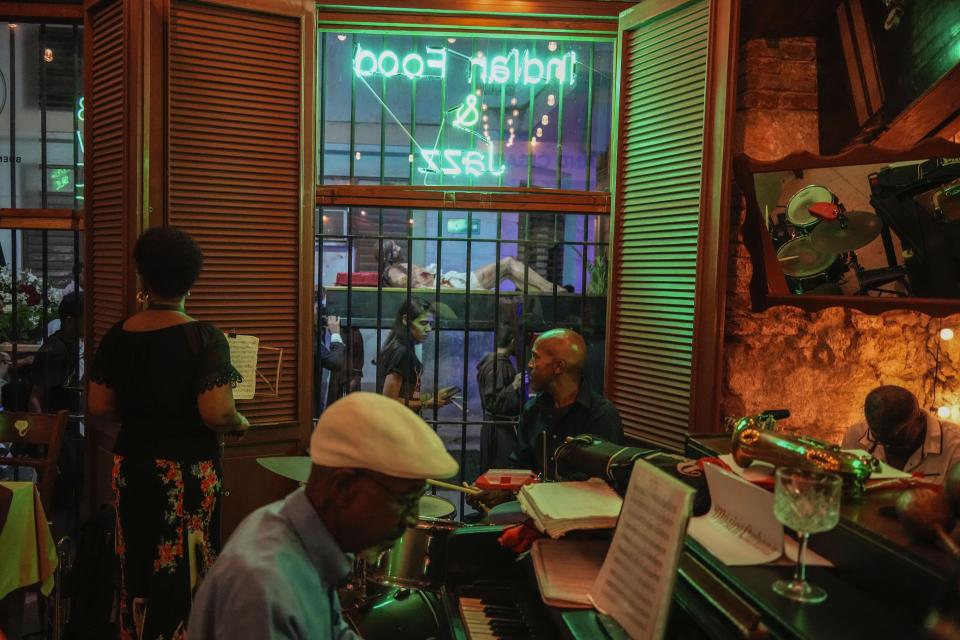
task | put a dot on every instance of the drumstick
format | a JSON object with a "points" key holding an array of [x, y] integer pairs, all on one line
{"points": [[446, 485]]}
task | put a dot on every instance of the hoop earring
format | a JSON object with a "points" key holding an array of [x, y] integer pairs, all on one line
{"points": [[142, 297]]}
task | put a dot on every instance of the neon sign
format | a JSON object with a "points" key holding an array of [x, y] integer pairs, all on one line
{"points": [[455, 162], [513, 68]]}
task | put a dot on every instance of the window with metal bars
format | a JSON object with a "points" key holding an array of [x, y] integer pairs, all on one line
{"points": [[504, 117]]}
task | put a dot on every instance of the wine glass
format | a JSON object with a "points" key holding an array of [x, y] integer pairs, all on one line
{"points": [[807, 501]]}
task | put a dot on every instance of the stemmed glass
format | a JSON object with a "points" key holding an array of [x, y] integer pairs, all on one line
{"points": [[807, 501]]}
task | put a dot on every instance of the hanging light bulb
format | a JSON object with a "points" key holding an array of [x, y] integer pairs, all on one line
{"points": [[48, 55], [944, 412], [946, 334]]}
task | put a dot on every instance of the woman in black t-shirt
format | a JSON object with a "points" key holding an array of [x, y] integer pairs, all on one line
{"points": [[399, 370], [168, 380]]}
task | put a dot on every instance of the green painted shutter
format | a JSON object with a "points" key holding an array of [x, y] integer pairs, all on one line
{"points": [[657, 221]]}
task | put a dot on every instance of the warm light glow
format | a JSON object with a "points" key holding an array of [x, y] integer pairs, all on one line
{"points": [[552, 46], [362, 212], [539, 132], [341, 37], [944, 412], [513, 101], [479, 92], [545, 120], [410, 221], [516, 112], [946, 334], [12, 25], [484, 107], [48, 55], [326, 218]]}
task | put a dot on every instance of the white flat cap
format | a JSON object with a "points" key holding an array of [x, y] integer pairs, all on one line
{"points": [[366, 430]]}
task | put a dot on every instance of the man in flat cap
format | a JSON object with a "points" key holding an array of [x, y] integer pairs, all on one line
{"points": [[903, 435], [278, 574]]}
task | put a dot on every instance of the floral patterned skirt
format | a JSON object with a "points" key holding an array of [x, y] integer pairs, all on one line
{"points": [[168, 535]]}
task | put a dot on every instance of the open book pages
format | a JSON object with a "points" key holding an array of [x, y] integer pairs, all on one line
{"points": [[559, 507], [567, 569]]}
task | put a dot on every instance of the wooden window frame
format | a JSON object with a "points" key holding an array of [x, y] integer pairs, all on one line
{"points": [[422, 17]]}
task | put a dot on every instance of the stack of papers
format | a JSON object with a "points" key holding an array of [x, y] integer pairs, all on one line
{"points": [[567, 569], [559, 507]]}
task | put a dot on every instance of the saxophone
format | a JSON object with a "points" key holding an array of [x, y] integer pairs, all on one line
{"points": [[756, 438]]}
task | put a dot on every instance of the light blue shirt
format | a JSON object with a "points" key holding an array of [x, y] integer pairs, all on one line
{"points": [[276, 578]]}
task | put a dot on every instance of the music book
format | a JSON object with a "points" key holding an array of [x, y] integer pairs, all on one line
{"points": [[635, 584], [243, 356], [567, 569], [557, 508]]}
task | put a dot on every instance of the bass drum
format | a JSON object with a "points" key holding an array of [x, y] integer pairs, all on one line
{"points": [[399, 613]]}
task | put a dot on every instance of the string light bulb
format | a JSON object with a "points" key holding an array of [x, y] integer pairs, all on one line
{"points": [[946, 334], [451, 40], [551, 100], [944, 412], [48, 55], [545, 120], [356, 155], [552, 45], [341, 37]]}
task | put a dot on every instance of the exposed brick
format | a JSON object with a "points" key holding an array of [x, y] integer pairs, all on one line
{"points": [[762, 64], [799, 68], [762, 46], [798, 49], [759, 99], [763, 81], [798, 101]]}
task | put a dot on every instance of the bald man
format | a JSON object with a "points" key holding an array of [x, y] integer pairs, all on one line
{"points": [[564, 405]]}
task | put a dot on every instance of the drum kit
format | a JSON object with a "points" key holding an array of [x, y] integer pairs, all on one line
{"points": [[397, 593], [817, 238]]}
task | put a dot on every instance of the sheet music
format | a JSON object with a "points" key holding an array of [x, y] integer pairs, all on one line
{"points": [[567, 569], [635, 584], [243, 356]]}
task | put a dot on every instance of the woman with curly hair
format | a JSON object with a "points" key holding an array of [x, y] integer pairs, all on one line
{"points": [[168, 380]]}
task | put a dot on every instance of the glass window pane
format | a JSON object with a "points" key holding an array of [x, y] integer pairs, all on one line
{"points": [[464, 110]]}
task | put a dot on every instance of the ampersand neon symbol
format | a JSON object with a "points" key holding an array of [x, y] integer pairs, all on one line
{"points": [[467, 114]]}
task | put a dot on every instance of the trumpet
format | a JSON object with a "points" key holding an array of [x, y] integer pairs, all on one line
{"points": [[756, 438]]}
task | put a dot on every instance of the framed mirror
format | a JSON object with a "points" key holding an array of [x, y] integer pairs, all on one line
{"points": [[870, 229]]}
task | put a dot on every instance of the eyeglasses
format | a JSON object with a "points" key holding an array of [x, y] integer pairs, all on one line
{"points": [[407, 501]]}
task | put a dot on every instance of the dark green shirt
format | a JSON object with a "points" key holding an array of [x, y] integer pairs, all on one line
{"points": [[589, 413]]}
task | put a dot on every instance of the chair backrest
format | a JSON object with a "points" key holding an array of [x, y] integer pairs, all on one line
{"points": [[37, 429]]}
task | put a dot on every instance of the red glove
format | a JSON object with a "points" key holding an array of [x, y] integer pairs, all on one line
{"points": [[519, 537]]}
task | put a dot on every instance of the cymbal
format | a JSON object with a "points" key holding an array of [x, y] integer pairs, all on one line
{"points": [[854, 230], [799, 259], [293, 467]]}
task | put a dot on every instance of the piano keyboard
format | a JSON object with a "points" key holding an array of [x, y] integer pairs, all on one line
{"points": [[497, 616]]}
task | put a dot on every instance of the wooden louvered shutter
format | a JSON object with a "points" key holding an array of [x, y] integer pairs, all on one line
{"points": [[665, 310], [240, 180], [110, 171]]}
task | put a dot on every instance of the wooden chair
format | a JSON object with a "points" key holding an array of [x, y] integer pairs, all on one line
{"points": [[36, 429]]}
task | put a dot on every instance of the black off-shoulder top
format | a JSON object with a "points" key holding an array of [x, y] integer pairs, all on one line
{"points": [[157, 376]]}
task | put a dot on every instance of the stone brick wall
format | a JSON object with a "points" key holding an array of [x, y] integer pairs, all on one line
{"points": [[818, 365]]}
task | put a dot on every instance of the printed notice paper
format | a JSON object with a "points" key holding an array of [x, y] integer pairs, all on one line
{"points": [[243, 356], [635, 584], [740, 528]]}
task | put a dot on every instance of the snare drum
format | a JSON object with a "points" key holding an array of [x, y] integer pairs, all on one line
{"points": [[806, 268], [797, 213], [416, 559]]}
